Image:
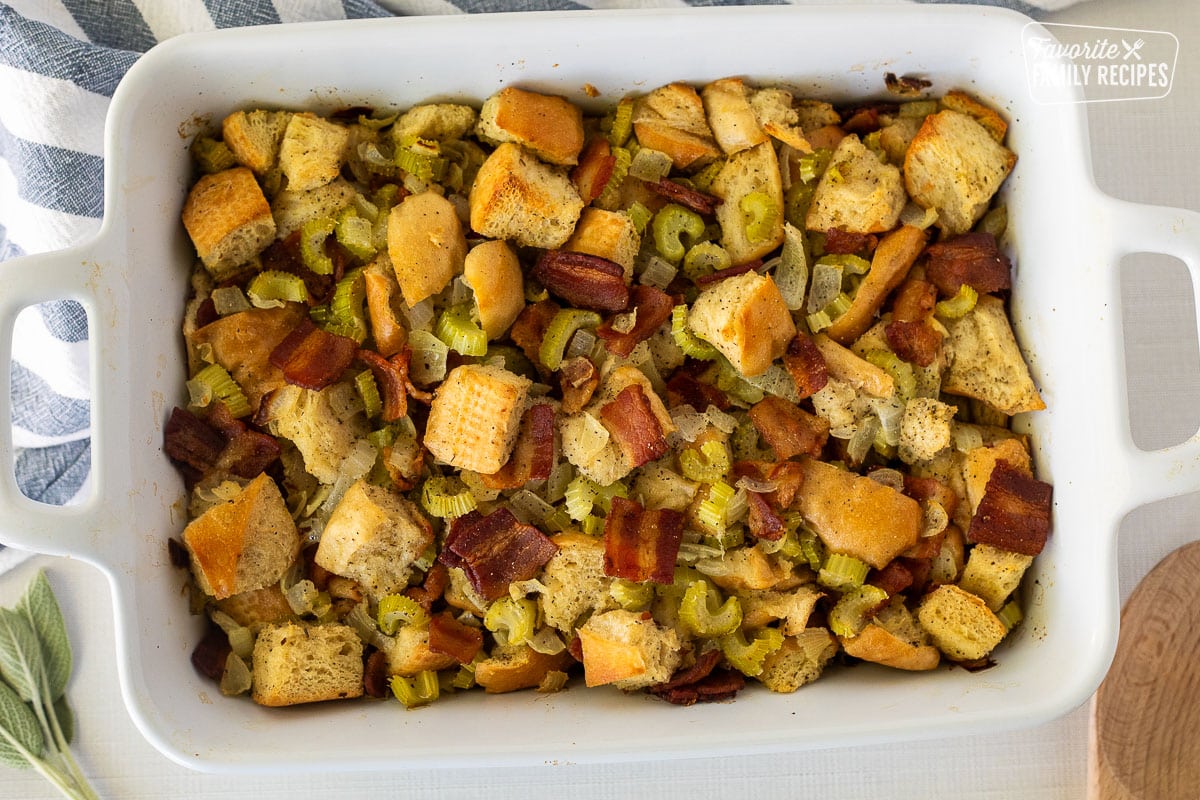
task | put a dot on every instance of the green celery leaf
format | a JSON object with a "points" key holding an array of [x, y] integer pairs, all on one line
{"points": [[17, 723], [20, 655], [41, 610]]}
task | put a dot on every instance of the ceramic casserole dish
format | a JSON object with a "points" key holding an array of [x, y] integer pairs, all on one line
{"points": [[1065, 239]]}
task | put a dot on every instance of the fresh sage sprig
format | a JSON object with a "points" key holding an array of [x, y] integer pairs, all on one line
{"points": [[36, 724]]}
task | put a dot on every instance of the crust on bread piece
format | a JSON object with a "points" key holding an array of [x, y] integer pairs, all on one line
{"points": [[228, 218], [548, 125], [517, 197]]}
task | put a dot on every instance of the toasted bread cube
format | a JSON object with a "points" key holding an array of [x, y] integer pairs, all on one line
{"points": [[799, 660], [857, 192], [296, 664], [548, 125], [408, 652], [319, 423], [959, 623], [292, 209], [858, 516], [730, 116], [475, 417], [984, 361], [494, 274], [793, 608], [622, 648], [816, 114], [749, 176], [876, 644], [846, 365], [993, 574], [745, 569], [896, 137], [992, 122], [773, 108], [437, 121], [955, 166], [244, 544], [228, 218], [978, 463], [254, 137], [517, 197], [671, 119], [426, 245], [374, 536], [515, 667], [575, 581], [312, 151], [242, 344], [925, 429], [258, 608], [745, 318], [608, 234]]}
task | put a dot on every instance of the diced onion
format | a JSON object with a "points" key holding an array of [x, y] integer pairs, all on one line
{"points": [[429, 354]]}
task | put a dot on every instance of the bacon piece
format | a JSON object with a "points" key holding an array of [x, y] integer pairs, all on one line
{"points": [[583, 280], [701, 682], [210, 653], [453, 638], [653, 307], [496, 550], [763, 521], [788, 477], [391, 374], [894, 578], [248, 454], [905, 85], [578, 378], [376, 675], [914, 301], [789, 429], [1014, 512], [594, 170], [533, 454], [910, 333], [389, 334], [806, 365], [431, 589], [684, 389], [867, 119], [631, 421], [843, 242], [189, 441], [206, 313], [530, 327], [218, 443], [701, 202], [313, 358], [713, 278], [919, 488], [973, 259], [641, 545]]}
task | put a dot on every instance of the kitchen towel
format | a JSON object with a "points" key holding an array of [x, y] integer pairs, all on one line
{"points": [[60, 61]]}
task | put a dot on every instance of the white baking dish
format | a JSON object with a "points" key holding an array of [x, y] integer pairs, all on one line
{"points": [[1066, 240]]}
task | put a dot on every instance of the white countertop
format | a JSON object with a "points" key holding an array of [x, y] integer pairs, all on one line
{"points": [[1142, 151]]}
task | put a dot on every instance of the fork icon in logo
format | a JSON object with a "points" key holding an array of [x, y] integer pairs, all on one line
{"points": [[1132, 49]]}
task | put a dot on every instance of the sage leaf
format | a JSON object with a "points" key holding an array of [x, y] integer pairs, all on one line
{"points": [[20, 655], [41, 610], [66, 718], [17, 724]]}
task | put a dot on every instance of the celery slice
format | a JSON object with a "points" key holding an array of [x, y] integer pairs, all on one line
{"points": [[419, 690], [842, 572], [691, 344], [622, 122], [704, 259], [811, 547], [900, 370], [446, 498], [368, 390], [713, 511], [347, 316], [709, 464], [759, 215], [640, 216], [850, 264], [703, 180], [1010, 614], [702, 613], [958, 306], [630, 595], [272, 288], [748, 657], [592, 525], [510, 620], [580, 498], [849, 615], [356, 234], [460, 333], [420, 158], [812, 165], [211, 155], [611, 194], [312, 245], [396, 611], [826, 316], [670, 225], [559, 333], [223, 387]]}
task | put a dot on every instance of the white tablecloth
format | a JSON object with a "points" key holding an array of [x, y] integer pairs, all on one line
{"points": [[1142, 151]]}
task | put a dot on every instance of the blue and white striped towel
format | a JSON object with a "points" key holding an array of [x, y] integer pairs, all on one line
{"points": [[60, 61]]}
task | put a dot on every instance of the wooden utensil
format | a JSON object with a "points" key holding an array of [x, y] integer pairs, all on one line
{"points": [[1145, 725]]}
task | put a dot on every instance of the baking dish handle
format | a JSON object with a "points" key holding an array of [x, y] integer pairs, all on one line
{"points": [[1138, 228], [24, 523]]}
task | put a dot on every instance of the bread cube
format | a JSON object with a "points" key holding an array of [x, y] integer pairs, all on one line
{"points": [[436, 121], [296, 664], [514, 667], [992, 122], [745, 318], [955, 166], [751, 171], [880, 646], [426, 245], [258, 608], [745, 569], [517, 197], [857, 192], [925, 429], [984, 361], [993, 574], [575, 581], [608, 234], [475, 416], [244, 544], [897, 136], [312, 151], [548, 125], [978, 463], [494, 274], [622, 648], [408, 652], [671, 119], [793, 608], [730, 116], [254, 137], [228, 219], [292, 209], [242, 344], [857, 516], [959, 623], [775, 113], [374, 536], [799, 660], [320, 424]]}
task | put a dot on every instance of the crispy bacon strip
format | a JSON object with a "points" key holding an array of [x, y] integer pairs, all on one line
{"points": [[188, 440], [1014, 512], [578, 378], [701, 202], [453, 638], [583, 280], [496, 550], [910, 334], [653, 307], [218, 443], [631, 421], [763, 521], [705, 281], [788, 476], [430, 591], [841, 241], [894, 578], [641, 545], [533, 454], [311, 357], [974, 259], [248, 454], [684, 389], [376, 675], [701, 682], [594, 170], [789, 429], [806, 365], [210, 653], [530, 328], [391, 374]]}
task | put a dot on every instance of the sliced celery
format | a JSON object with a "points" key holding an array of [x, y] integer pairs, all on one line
{"points": [[900, 370], [702, 613], [460, 332], [960, 305], [611, 194], [813, 164], [704, 259], [703, 180], [312, 245], [760, 214], [842, 572], [223, 387], [211, 155], [714, 508], [811, 547], [1010, 614], [272, 288], [446, 498], [580, 498], [558, 334], [419, 690], [510, 620], [347, 315], [709, 464], [640, 216], [420, 158], [849, 615], [850, 264], [622, 122], [691, 344], [368, 390], [356, 234], [670, 225], [396, 611], [825, 317], [630, 595], [748, 657]]}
